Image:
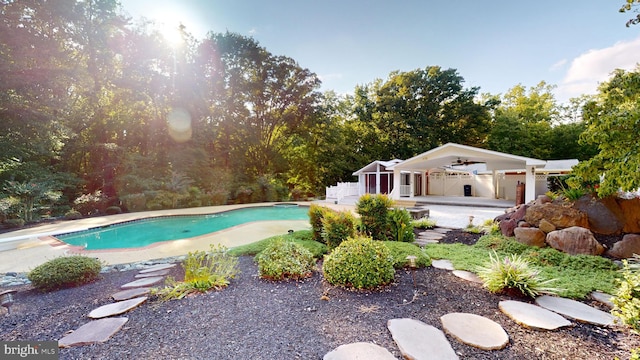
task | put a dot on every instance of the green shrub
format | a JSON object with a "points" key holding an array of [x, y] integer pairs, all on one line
{"points": [[113, 210], [73, 215], [374, 219], [302, 237], [424, 223], [204, 271], [359, 263], [64, 272], [285, 259], [316, 214], [513, 274], [400, 225], [400, 250], [337, 227], [626, 301], [490, 227], [13, 223]]}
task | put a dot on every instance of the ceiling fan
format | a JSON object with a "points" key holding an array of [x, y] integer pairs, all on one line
{"points": [[466, 162]]}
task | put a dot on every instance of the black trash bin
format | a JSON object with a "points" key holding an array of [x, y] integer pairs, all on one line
{"points": [[467, 190]]}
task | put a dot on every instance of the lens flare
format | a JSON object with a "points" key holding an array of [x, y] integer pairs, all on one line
{"points": [[179, 125]]}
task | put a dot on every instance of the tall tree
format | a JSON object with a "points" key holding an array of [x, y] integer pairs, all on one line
{"points": [[631, 6], [613, 125]]}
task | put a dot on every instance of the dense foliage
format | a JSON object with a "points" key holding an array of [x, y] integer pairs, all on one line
{"points": [[64, 272], [627, 297], [360, 263], [284, 259]]}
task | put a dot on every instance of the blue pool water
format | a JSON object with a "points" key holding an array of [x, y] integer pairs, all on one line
{"points": [[148, 231]]}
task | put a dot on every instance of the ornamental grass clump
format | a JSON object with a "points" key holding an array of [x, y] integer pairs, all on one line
{"points": [[204, 271], [361, 263], [514, 276], [283, 259], [65, 272]]}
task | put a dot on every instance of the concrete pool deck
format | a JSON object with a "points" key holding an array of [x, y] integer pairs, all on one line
{"points": [[24, 249]]}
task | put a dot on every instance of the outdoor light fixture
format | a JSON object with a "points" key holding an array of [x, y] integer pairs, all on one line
{"points": [[470, 220], [412, 265], [6, 299], [290, 231]]}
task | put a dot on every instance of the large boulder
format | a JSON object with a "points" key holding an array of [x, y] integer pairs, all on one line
{"points": [[575, 240], [507, 227], [560, 216], [625, 248], [604, 215], [631, 210], [530, 236], [546, 226]]}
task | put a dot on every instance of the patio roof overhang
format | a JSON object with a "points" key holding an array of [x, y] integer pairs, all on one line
{"points": [[452, 153]]}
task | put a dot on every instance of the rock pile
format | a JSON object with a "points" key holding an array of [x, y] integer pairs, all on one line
{"points": [[570, 227]]}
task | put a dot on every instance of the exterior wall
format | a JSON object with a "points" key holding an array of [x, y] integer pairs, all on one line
{"points": [[507, 185]]}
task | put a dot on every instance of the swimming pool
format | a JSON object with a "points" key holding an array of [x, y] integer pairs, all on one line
{"points": [[139, 233]]}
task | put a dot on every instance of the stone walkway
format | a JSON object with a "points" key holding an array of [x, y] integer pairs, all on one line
{"points": [[130, 297], [418, 340]]}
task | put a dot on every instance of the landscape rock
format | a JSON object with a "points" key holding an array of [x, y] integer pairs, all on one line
{"points": [[532, 316], [575, 240], [530, 236], [417, 340], [625, 248], [546, 226], [467, 275], [604, 215], [442, 264], [631, 210], [153, 274], [507, 226], [576, 310], [602, 298], [543, 199], [116, 308], [359, 351], [475, 330], [130, 294], [144, 282], [560, 216], [157, 267], [97, 331]]}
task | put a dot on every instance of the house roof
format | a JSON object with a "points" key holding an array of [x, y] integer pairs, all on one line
{"points": [[371, 167], [452, 153], [560, 165]]}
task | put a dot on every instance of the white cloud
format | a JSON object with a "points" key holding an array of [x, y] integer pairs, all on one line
{"points": [[253, 31], [329, 77], [558, 65], [595, 66]]}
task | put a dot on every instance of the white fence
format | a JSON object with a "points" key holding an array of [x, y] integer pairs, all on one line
{"points": [[341, 190]]}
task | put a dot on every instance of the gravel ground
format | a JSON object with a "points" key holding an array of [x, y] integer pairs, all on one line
{"points": [[258, 319]]}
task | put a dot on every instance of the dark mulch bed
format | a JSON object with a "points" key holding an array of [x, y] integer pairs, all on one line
{"points": [[257, 319]]}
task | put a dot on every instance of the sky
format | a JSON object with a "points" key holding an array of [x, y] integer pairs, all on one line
{"points": [[493, 44]]}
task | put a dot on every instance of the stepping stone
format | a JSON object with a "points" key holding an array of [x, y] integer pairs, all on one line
{"points": [[157, 267], [467, 275], [130, 294], [475, 330], [532, 316], [602, 298], [431, 235], [360, 350], [144, 282], [426, 241], [417, 340], [154, 273], [97, 331], [442, 264], [116, 308], [575, 310], [441, 230]]}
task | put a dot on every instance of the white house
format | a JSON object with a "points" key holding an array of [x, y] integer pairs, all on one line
{"points": [[458, 170]]}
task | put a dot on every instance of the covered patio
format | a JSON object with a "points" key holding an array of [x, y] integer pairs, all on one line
{"points": [[430, 173]]}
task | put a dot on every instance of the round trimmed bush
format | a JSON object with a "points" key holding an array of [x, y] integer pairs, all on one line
{"points": [[64, 272], [285, 259], [359, 262]]}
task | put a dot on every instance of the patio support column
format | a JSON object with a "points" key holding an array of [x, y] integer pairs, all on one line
{"points": [[377, 178], [496, 194], [411, 186], [395, 193], [530, 184]]}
